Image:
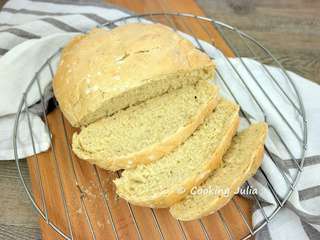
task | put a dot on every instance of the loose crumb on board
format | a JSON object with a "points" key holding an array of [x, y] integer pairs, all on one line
{"points": [[79, 211]]}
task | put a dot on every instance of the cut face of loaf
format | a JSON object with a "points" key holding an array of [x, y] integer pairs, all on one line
{"points": [[239, 163], [105, 71], [145, 132], [168, 180]]}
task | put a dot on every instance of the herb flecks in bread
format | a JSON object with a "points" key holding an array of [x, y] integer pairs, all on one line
{"points": [[239, 163], [168, 180], [145, 132], [104, 71]]}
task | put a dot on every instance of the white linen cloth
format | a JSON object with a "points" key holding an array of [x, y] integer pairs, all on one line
{"points": [[31, 31]]}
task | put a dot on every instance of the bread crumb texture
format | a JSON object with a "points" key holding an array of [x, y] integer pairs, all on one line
{"points": [[167, 180], [239, 163], [104, 71], [119, 141]]}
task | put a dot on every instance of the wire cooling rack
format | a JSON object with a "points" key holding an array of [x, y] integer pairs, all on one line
{"points": [[240, 44]]}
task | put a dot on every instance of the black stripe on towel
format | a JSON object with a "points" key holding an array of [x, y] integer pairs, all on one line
{"points": [[264, 233], [96, 18], [3, 51], [5, 25], [59, 24], [309, 161], [280, 163], [304, 216], [312, 233], [93, 3], [309, 193], [20, 33], [91, 16]]}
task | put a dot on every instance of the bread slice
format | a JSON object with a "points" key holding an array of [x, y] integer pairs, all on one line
{"points": [[240, 162], [145, 132], [168, 180], [104, 71]]}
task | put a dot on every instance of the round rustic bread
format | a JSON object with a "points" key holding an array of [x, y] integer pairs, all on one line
{"points": [[107, 70]]}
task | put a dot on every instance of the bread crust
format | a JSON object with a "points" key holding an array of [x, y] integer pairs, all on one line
{"points": [[154, 152], [169, 198], [218, 203], [100, 71]]}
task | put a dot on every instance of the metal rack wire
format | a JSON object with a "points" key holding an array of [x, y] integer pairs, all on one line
{"points": [[251, 46]]}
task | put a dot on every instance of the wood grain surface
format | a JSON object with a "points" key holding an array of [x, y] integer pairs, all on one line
{"points": [[290, 28], [80, 199], [76, 192]]}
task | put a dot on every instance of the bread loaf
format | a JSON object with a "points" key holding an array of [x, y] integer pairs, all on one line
{"points": [[168, 180], [104, 71], [147, 131], [239, 163]]}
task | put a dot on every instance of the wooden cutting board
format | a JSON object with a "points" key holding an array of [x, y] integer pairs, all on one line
{"points": [[79, 198]]}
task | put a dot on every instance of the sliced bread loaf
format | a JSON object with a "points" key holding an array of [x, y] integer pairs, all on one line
{"points": [[104, 71], [145, 132], [239, 163], [168, 180]]}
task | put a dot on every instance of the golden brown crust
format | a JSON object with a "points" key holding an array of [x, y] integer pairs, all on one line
{"points": [[100, 70], [218, 203], [161, 201], [155, 151], [59, 80]]}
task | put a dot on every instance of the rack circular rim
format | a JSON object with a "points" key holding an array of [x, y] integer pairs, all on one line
{"points": [[217, 24]]}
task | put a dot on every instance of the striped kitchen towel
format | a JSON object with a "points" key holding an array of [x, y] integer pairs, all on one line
{"points": [[32, 30]]}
